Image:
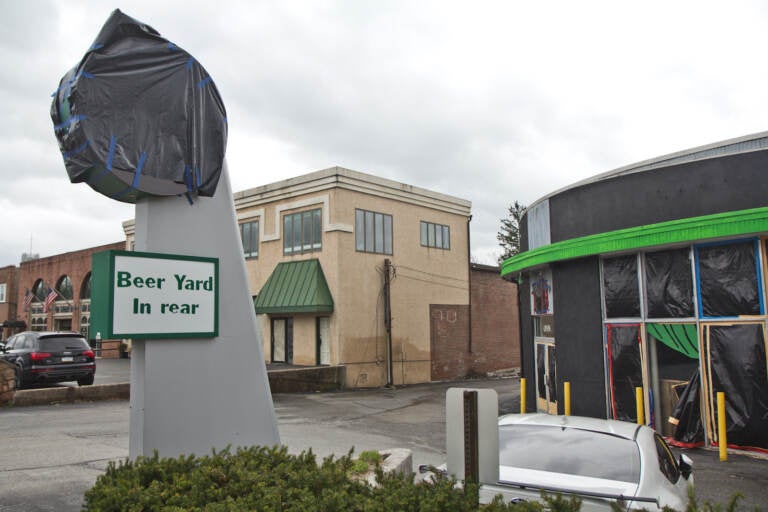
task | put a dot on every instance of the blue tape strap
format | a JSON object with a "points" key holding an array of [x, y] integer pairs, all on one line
{"points": [[172, 46], [198, 175], [204, 81], [77, 150], [190, 61], [137, 176], [95, 46], [111, 154], [84, 74], [189, 198], [71, 120], [188, 177]]}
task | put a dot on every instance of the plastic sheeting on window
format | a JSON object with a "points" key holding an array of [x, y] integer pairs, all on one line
{"points": [[138, 116], [625, 370], [669, 284], [689, 430], [620, 287], [737, 360], [728, 279]]}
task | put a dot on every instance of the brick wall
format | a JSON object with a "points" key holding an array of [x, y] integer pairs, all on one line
{"points": [[495, 321], [495, 341]]}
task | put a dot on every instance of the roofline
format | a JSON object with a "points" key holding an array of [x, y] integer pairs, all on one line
{"points": [[339, 177], [733, 146]]}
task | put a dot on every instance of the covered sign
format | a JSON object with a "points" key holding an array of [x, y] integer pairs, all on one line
{"points": [[138, 116]]}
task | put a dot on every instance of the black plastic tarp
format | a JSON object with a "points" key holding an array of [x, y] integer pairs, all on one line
{"points": [[625, 370], [138, 116], [621, 290], [737, 361], [728, 279], [669, 284], [689, 431]]}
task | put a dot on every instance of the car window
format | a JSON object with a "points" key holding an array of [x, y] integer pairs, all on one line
{"points": [[667, 463], [25, 342], [570, 451], [58, 344], [9, 343]]}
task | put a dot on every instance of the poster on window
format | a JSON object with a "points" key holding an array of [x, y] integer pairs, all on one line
{"points": [[541, 292]]}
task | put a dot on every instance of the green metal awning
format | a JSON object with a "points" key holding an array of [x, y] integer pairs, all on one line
{"points": [[295, 287]]}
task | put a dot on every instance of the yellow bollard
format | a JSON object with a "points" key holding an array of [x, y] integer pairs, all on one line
{"points": [[640, 407], [722, 438], [567, 393], [522, 396]]}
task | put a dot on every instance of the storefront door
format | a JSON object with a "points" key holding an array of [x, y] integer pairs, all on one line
{"points": [[546, 377]]}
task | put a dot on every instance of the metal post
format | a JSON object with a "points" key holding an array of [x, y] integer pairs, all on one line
{"points": [[722, 438], [640, 406], [471, 449], [567, 393], [388, 319], [522, 395]]}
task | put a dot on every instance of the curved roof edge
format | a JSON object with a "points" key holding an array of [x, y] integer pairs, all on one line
{"points": [[707, 227], [744, 144]]}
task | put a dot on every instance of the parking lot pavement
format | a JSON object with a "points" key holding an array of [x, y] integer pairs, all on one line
{"points": [[50, 455]]}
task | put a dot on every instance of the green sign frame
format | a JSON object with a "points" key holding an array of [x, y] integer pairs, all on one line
{"points": [[144, 295]]}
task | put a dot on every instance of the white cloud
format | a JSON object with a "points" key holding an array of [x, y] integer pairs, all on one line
{"points": [[492, 101]]}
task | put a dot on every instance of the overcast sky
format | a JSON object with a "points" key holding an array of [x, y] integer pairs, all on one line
{"points": [[488, 101]]}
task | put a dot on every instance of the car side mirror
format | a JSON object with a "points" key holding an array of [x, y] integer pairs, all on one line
{"points": [[686, 466]]}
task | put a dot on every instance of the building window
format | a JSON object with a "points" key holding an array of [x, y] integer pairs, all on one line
{"points": [[373, 232], [64, 288], [302, 232], [2, 292], [435, 235], [249, 234]]}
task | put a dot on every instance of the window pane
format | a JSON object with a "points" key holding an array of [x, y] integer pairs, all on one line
{"points": [[728, 280], [621, 291], [287, 234], [306, 221], [439, 236], [388, 234], [369, 231], [296, 232], [431, 235], [317, 233], [446, 237], [245, 236], [423, 233], [379, 230], [359, 230], [668, 284]]}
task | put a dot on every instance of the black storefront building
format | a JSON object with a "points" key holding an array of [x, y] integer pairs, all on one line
{"points": [[653, 276]]}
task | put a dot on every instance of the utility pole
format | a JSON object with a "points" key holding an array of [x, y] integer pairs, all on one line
{"points": [[388, 318]]}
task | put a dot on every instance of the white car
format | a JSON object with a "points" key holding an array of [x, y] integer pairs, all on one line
{"points": [[602, 461]]}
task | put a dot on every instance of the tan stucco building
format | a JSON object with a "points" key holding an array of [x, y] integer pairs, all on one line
{"points": [[350, 223]]}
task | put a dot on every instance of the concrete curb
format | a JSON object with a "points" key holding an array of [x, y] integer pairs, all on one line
{"points": [[398, 460], [27, 397]]}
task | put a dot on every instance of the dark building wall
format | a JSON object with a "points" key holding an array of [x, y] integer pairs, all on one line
{"points": [[579, 335], [527, 363], [730, 183], [8, 310]]}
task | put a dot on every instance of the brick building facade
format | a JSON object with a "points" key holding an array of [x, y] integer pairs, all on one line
{"points": [[69, 276], [495, 340]]}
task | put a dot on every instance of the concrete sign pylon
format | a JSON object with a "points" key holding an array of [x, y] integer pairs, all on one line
{"points": [[191, 395]]}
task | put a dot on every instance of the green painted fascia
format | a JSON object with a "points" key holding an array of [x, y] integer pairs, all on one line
{"points": [[743, 222]]}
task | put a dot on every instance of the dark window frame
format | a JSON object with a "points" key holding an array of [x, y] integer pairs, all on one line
{"points": [[435, 236], [373, 232], [303, 232], [249, 236]]}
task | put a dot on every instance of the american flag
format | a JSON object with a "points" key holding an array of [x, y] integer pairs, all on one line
{"points": [[49, 299], [27, 299]]}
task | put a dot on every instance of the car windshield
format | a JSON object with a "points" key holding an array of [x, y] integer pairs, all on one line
{"points": [[62, 343], [570, 451]]}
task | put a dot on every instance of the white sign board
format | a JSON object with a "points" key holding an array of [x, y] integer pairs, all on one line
{"points": [[158, 295]]}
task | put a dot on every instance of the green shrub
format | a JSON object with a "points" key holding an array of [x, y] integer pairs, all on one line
{"points": [[271, 479]]}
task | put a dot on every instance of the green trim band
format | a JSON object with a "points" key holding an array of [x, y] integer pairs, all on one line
{"points": [[743, 222]]}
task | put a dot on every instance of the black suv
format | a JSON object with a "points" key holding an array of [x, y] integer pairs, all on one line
{"points": [[42, 357]]}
